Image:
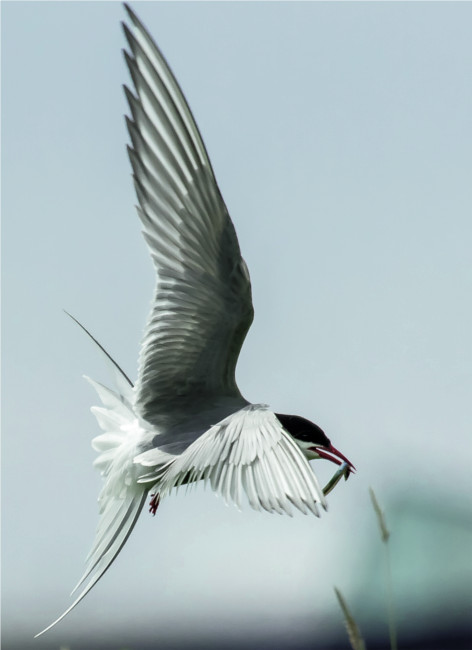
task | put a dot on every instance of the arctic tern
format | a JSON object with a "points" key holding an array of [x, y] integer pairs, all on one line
{"points": [[185, 420]]}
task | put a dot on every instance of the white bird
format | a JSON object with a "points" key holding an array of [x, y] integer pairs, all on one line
{"points": [[186, 420]]}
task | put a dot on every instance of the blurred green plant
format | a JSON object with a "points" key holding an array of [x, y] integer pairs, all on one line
{"points": [[385, 536], [353, 632], [355, 638]]}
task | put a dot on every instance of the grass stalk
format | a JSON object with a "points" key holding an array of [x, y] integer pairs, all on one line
{"points": [[385, 535], [353, 632]]}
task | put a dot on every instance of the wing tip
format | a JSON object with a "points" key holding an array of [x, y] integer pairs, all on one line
{"points": [[140, 27], [130, 13], [129, 58]]}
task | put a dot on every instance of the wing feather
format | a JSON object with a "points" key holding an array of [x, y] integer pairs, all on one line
{"points": [[250, 451], [202, 307]]}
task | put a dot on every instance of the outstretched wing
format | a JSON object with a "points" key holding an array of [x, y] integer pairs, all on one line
{"points": [[202, 308], [248, 451]]}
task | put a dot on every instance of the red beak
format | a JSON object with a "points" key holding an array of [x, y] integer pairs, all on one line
{"points": [[335, 456]]}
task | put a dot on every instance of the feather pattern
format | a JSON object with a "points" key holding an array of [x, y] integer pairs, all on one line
{"points": [[185, 420], [203, 307], [121, 498], [248, 451]]}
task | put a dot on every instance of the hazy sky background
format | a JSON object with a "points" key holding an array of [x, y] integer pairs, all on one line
{"points": [[340, 134]]}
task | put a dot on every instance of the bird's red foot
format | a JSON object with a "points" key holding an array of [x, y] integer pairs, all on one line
{"points": [[154, 503]]}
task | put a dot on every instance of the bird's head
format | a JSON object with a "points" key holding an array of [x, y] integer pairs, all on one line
{"points": [[312, 440]]}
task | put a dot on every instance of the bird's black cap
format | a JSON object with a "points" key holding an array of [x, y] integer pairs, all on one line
{"points": [[304, 430]]}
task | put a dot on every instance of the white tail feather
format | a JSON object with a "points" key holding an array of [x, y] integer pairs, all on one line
{"points": [[121, 498]]}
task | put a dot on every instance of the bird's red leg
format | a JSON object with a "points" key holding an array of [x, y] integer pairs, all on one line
{"points": [[154, 503]]}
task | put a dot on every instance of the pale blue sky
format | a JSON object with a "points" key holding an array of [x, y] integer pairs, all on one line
{"points": [[340, 134]]}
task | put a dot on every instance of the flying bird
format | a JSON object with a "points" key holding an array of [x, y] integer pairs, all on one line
{"points": [[186, 420]]}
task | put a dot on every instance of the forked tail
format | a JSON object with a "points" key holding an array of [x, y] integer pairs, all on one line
{"points": [[121, 498]]}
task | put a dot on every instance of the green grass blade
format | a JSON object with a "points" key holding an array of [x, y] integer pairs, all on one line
{"points": [[355, 638], [385, 535], [384, 532]]}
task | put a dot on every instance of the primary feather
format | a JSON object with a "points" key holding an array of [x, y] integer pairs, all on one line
{"points": [[202, 308]]}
